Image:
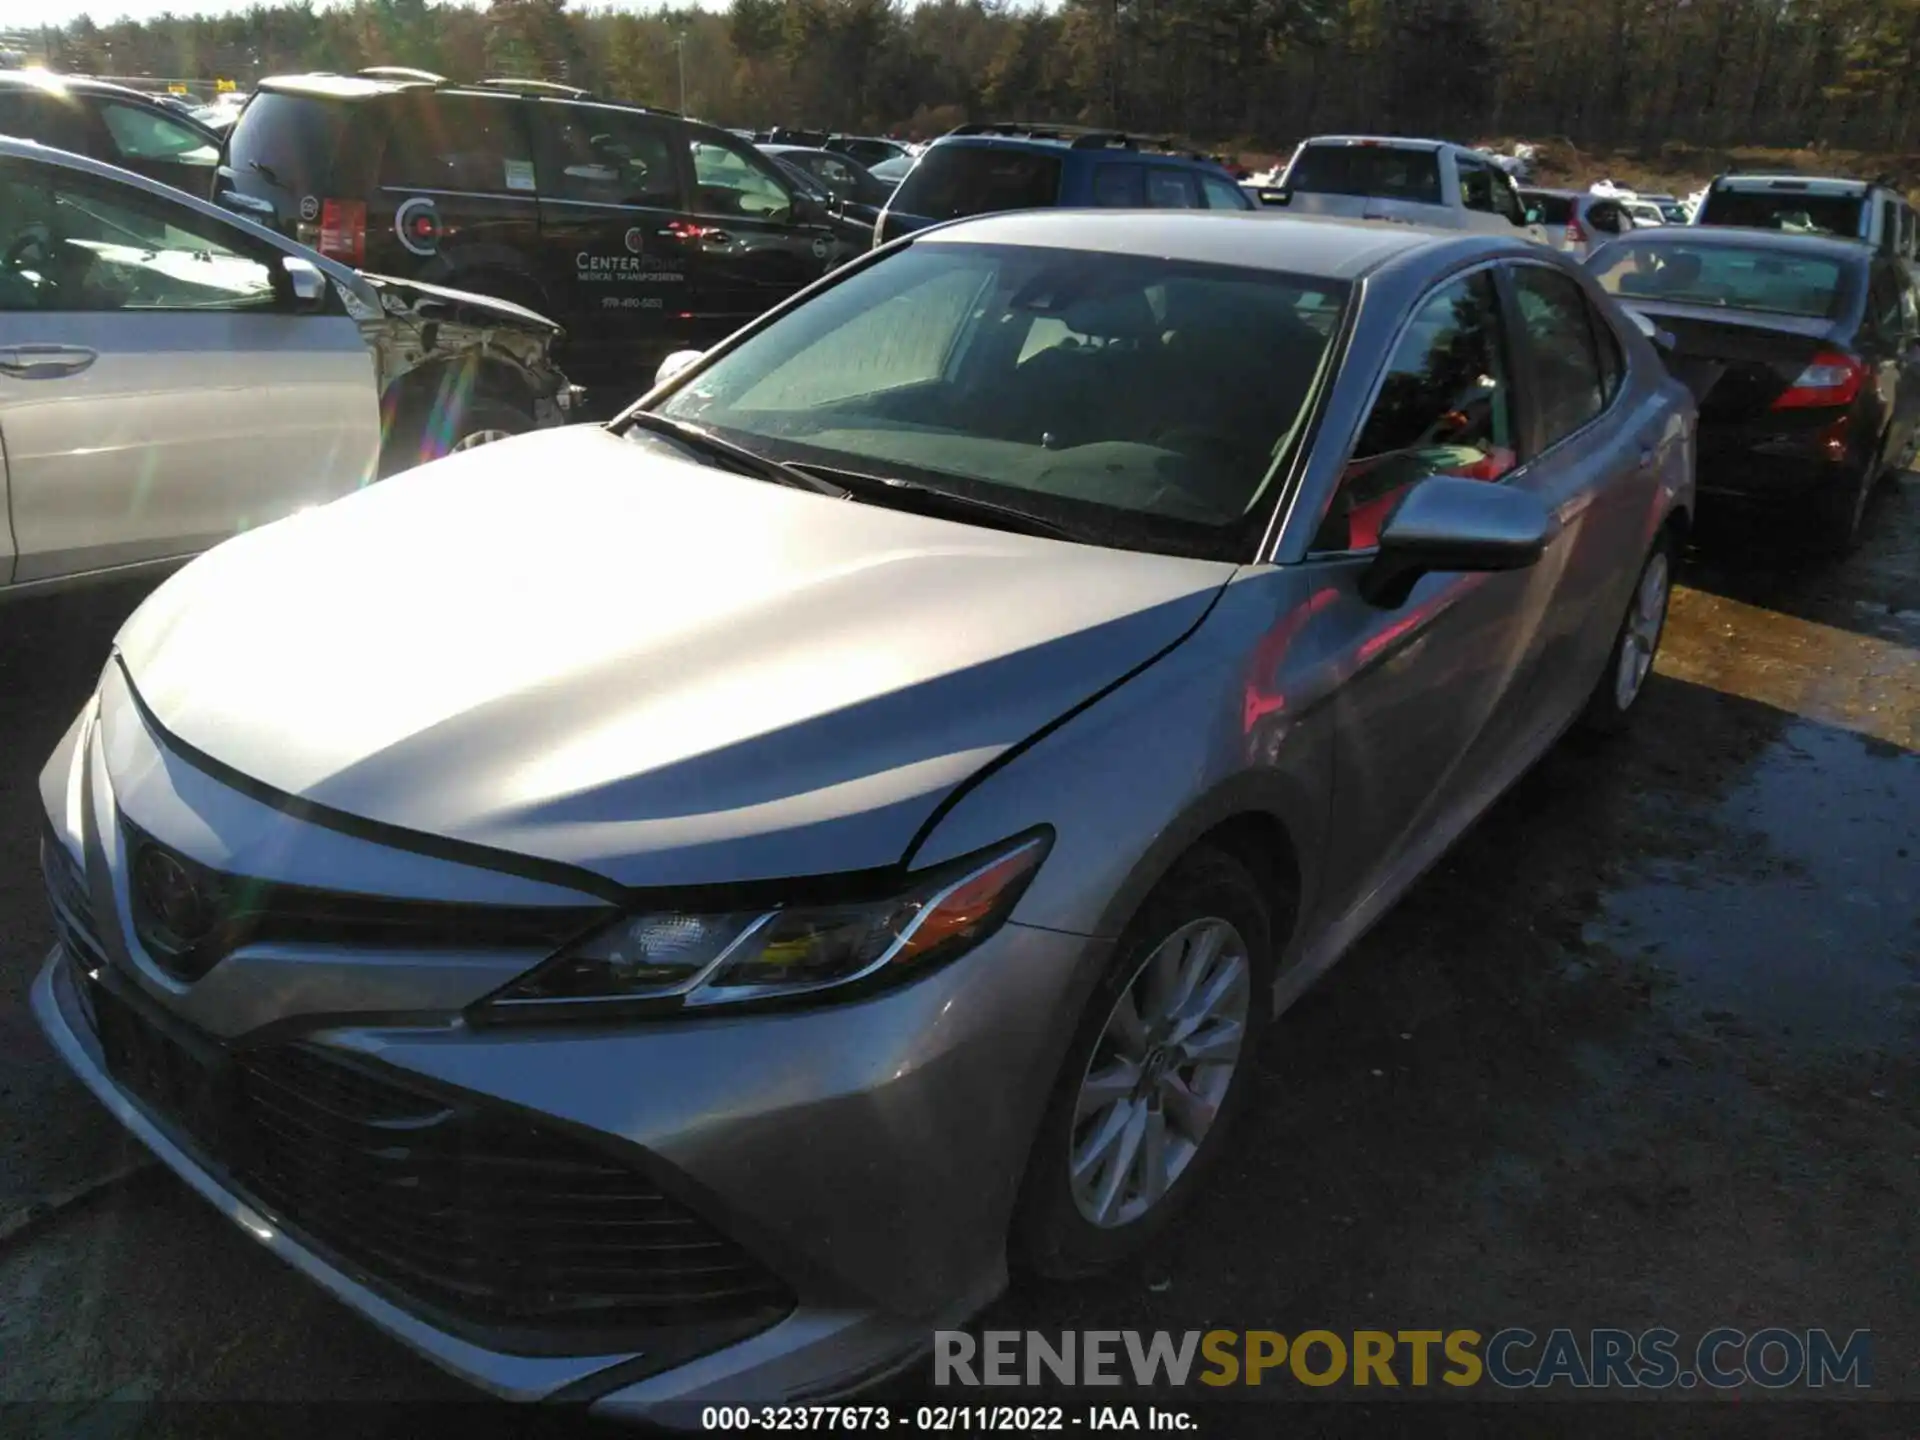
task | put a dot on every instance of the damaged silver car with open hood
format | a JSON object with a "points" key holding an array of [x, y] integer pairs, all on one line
{"points": [[172, 374]]}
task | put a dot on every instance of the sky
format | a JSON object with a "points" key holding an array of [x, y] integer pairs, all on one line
{"points": [[24, 14]]}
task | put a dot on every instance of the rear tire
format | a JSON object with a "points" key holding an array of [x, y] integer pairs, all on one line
{"points": [[1146, 1073], [1616, 694], [1839, 516]]}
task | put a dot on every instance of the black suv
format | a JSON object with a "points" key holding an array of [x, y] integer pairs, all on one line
{"points": [[640, 231]]}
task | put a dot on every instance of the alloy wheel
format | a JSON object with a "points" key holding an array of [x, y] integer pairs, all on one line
{"points": [[1642, 634], [1160, 1072], [475, 439]]}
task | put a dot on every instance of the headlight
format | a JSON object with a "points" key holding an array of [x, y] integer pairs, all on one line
{"points": [[675, 959]]}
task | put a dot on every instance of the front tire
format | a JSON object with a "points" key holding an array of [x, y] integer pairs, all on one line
{"points": [[1616, 694], [1156, 1071], [431, 420]]}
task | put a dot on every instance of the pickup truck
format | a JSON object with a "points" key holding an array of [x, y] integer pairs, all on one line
{"points": [[1413, 182]]}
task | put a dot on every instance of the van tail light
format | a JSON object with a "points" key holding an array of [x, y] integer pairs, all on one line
{"points": [[1576, 232], [343, 231], [1830, 378]]}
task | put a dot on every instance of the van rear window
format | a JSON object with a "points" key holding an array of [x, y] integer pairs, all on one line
{"points": [[290, 140], [955, 180], [1553, 209], [1795, 212], [1387, 171]]}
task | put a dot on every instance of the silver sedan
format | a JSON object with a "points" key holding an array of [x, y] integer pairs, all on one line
{"points": [[698, 900]]}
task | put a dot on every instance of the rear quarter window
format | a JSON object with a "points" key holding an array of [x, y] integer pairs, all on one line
{"points": [[460, 142], [1552, 209], [1389, 172], [955, 180], [289, 140], [1795, 212]]}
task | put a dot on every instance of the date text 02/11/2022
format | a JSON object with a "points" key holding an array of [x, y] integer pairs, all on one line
{"points": [[943, 1419]]}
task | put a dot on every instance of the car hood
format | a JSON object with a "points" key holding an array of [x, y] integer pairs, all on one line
{"points": [[585, 649], [419, 301]]}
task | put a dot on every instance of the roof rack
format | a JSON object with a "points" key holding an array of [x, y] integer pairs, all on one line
{"points": [[398, 72], [535, 87], [1080, 137]]}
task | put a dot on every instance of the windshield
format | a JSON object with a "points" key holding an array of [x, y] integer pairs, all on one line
{"points": [[1729, 276], [955, 180], [1794, 211], [1140, 400], [1387, 171]]}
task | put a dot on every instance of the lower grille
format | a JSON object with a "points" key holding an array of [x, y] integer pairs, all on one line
{"points": [[498, 1221]]}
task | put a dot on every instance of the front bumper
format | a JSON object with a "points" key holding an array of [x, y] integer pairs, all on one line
{"points": [[868, 1155]]}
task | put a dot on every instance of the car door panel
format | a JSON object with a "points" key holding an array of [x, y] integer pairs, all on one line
{"points": [[613, 228], [161, 390], [1594, 473], [1426, 687], [184, 430], [753, 246]]}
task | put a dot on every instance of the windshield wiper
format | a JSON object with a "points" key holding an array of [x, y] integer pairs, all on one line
{"points": [[268, 171], [941, 504], [735, 457]]}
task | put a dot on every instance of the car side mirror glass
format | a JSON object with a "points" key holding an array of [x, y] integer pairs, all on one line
{"points": [[674, 364], [1535, 216], [309, 286], [1447, 523]]}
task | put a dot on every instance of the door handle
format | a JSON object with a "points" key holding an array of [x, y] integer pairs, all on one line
{"points": [[45, 362]]}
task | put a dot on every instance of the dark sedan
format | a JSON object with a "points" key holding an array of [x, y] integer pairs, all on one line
{"points": [[1802, 351], [845, 178]]}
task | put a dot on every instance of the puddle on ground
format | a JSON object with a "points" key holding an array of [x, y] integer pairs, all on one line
{"points": [[1811, 935]]}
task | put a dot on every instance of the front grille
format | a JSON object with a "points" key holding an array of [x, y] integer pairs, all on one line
{"points": [[67, 896], [471, 1212], [189, 916]]}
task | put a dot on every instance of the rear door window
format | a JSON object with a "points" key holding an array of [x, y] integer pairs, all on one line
{"points": [[1120, 186], [606, 156], [729, 180], [1223, 194], [955, 180], [475, 143], [142, 134], [1170, 189], [1390, 172], [1565, 381]]}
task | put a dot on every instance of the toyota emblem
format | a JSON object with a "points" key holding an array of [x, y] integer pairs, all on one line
{"points": [[173, 896]]}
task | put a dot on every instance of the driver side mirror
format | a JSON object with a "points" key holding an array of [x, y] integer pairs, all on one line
{"points": [[1446, 523], [674, 364], [308, 284]]}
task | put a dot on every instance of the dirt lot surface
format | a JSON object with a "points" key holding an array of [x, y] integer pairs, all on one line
{"points": [[1641, 1052]]}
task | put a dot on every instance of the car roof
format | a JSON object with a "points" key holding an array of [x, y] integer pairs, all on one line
{"points": [[1403, 142], [53, 83], [1320, 246], [1835, 247], [1808, 184]]}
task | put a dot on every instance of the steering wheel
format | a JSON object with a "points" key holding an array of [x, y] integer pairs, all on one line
{"points": [[34, 237]]}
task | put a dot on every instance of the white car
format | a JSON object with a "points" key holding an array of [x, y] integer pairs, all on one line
{"points": [[172, 374], [1644, 212], [1415, 182]]}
